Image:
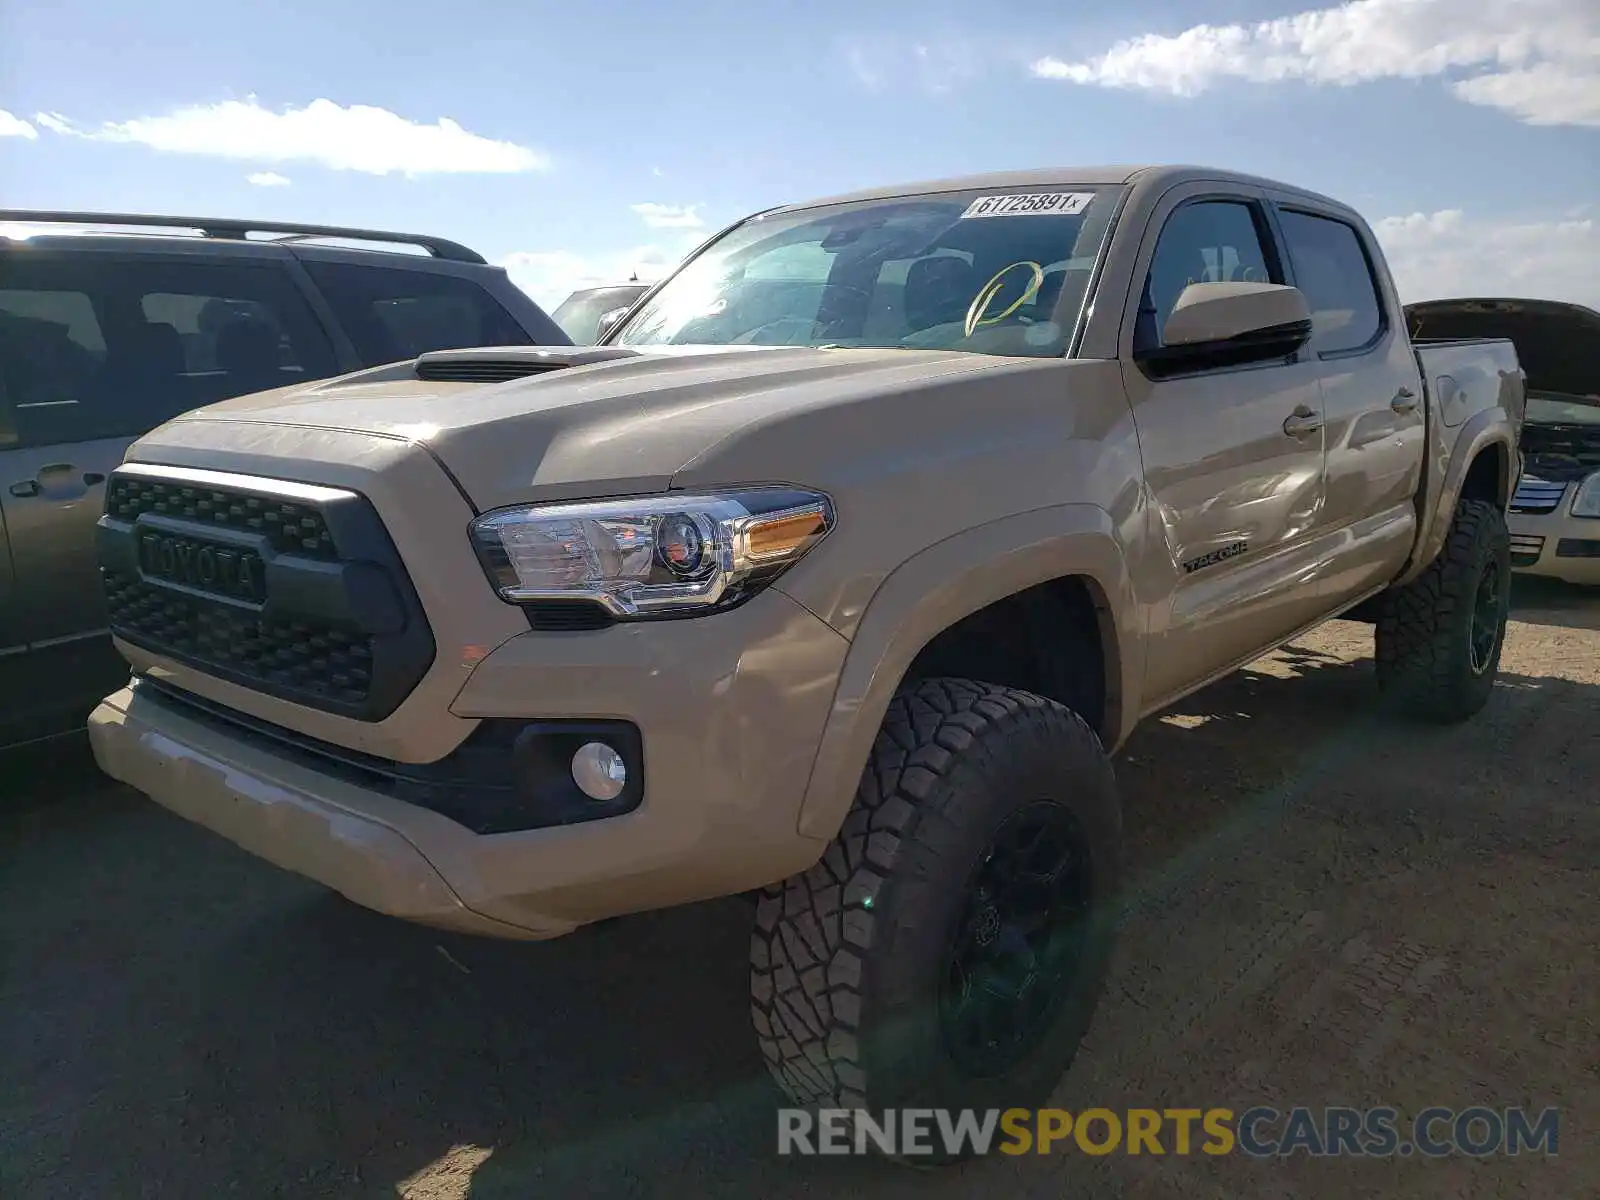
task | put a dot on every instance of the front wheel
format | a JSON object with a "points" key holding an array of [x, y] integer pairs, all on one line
{"points": [[1439, 637], [949, 948]]}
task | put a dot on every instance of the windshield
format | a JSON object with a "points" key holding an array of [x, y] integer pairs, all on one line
{"points": [[1558, 408], [580, 313], [996, 272]]}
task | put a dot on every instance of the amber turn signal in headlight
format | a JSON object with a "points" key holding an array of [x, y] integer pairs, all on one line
{"points": [[655, 556]]}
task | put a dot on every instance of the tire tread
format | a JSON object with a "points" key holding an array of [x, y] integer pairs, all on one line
{"points": [[806, 992]]}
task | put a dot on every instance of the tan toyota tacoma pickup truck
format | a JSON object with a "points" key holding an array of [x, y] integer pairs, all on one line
{"points": [[835, 574]]}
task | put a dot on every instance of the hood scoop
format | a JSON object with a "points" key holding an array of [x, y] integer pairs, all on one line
{"points": [[497, 364]]}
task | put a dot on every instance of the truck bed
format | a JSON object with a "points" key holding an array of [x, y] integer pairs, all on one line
{"points": [[1464, 376]]}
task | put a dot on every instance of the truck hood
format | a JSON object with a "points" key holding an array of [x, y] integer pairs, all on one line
{"points": [[532, 424], [1558, 344]]}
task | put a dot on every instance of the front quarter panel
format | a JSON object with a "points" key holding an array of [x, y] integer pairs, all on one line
{"points": [[910, 468], [951, 492]]}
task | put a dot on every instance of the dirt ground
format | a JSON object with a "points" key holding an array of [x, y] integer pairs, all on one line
{"points": [[1328, 907]]}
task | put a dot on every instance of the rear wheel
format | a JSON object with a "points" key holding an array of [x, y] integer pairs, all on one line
{"points": [[1439, 638], [949, 948]]}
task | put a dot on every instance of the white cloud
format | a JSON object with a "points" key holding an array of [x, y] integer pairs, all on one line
{"points": [[1449, 253], [359, 137], [267, 179], [1544, 94], [14, 126], [670, 216], [54, 122], [1536, 59], [936, 65]]}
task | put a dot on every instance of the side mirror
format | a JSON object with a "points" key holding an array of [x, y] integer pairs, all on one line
{"points": [[608, 321], [1230, 324]]}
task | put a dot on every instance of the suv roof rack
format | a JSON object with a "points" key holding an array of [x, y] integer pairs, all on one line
{"points": [[232, 229]]}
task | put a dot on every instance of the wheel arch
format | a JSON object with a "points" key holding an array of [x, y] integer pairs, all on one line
{"points": [[1482, 466], [1068, 554]]}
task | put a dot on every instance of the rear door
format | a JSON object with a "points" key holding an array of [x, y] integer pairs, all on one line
{"points": [[1372, 398], [392, 313], [98, 348]]}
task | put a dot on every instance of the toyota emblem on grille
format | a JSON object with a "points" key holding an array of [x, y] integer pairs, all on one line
{"points": [[236, 574]]}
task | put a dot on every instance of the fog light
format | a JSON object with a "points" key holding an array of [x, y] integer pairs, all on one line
{"points": [[599, 771]]}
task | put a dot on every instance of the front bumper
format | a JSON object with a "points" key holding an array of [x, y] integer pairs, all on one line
{"points": [[1556, 544], [730, 710]]}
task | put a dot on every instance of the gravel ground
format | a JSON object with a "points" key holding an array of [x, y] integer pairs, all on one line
{"points": [[1328, 907]]}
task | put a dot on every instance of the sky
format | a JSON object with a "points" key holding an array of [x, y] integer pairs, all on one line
{"points": [[577, 144]]}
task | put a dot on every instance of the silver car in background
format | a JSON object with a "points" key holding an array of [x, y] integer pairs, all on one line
{"points": [[1555, 515], [589, 312]]}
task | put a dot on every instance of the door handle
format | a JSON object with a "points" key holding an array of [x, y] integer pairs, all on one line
{"points": [[50, 471], [1405, 400], [1302, 421]]}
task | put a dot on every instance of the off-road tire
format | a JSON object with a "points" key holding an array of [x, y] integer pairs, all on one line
{"points": [[845, 959], [1423, 643]]}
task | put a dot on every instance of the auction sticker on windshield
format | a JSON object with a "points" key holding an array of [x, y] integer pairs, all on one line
{"points": [[1030, 204]]}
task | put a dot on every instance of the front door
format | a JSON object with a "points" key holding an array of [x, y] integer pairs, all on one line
{"points": [[1233, 460]]}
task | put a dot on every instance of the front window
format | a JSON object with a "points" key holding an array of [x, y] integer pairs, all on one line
{"points": [[994, 272]]}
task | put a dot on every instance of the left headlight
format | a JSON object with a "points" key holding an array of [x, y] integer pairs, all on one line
{"points": [[1587, 502], [656, 556]]}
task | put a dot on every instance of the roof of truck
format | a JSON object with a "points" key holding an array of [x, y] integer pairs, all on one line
{"points": [[1171, 173]]}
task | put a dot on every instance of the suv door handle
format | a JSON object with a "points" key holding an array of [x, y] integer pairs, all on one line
{"points": [[1405, 400], [1304, 420], [25, 488]]}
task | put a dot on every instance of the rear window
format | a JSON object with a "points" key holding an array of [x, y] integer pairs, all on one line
{"points": [[1331, 268], [396, 314], [96, 347]]}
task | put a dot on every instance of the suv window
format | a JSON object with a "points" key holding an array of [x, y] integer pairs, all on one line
{"points": [[1208, 241], [1332, 269], [395, 314], [93, 346]]}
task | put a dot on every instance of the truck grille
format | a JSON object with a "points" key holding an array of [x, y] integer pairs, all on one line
{"points": [[289, 589], [1537, 496]]}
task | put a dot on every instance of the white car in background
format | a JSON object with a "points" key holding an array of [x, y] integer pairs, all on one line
{"points": [[1555, 515], [589, 312]]}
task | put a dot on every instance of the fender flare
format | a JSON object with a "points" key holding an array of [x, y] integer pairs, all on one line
{"points": [[1485, 430], [937, 587]]}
